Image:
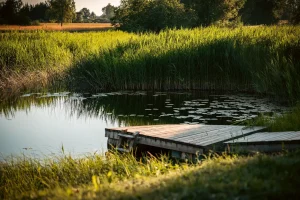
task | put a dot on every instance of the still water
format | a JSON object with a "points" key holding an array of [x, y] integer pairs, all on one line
{"points": [[40, 124]]}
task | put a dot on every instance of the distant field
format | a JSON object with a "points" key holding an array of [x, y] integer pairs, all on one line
{"points": [[57, 27]]}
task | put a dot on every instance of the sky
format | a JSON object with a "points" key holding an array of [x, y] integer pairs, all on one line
{"points": [[93, 5]]}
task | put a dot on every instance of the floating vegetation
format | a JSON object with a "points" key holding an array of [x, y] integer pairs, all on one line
{"points": [[124, 105]]}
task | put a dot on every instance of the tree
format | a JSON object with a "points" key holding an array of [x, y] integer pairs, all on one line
{"points": [[10, 11], [79, 17], [293, 7], [85, 14], [108, 11], [161, 14], [39, 11], [259, 12], [62, 10], [210, 12], [93, 16], [130, 14], [154, 15]]}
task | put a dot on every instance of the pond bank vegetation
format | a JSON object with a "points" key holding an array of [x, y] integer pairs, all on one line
{"points": [[225, 176], [256, 59]]}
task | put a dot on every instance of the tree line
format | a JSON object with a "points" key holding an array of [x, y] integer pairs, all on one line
{"points": [[155, 15], [60, 11]]}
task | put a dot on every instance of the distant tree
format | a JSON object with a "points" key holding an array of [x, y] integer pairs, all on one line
{"points": [[79, 17], [108, 11], [293, 7], [39, 11], [154, 15], [261, 12], [161, 14], [62, 10], [25, 10], [130, 15], [93, 16], [210, 12], [10, 11], [85, 14]]}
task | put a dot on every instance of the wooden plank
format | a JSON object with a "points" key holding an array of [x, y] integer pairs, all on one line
{"points": [[208, 134], [261, 137], [198, 132], [227, 136], [279, 136], [296, 138], [268, 137], [167, 144], [175, 132]]}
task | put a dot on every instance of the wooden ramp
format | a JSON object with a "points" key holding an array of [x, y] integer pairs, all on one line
{"points": [[266, 142], [180, 139]]}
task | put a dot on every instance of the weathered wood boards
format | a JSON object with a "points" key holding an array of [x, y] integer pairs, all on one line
{"points": [[190, 139], [266, 142]]}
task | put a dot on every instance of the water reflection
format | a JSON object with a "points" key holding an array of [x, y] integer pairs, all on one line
{"points": [[43, 122]]}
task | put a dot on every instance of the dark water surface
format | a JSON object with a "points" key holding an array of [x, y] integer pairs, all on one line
{"points": [[40, 124]]}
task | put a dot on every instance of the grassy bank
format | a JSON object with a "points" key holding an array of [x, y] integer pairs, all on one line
{"points": [[123, 177], [290, 121], [260, 59]]}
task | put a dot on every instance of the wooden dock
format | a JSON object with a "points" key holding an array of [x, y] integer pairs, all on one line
{"points": [[266, 142], [184, 141]]}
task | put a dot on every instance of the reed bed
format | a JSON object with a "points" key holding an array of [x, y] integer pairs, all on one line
{"points": [[259, 59]]}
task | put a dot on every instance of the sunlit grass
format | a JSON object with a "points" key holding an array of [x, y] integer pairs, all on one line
{"points": [[123, 177], [25, 176]]}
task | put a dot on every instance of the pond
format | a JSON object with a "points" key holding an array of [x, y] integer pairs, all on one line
{"points": [[44, 124]]}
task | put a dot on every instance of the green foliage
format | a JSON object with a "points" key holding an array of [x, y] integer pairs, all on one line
{"points": [[14, 12], [108, 11], [9, 12], [287, 122], [161, 14], [154, 15], [62, 10], [293, 7], [260, 12], [218, 12]]}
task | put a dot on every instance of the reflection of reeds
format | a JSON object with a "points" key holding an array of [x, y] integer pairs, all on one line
{"points": [[10, 105], [115, 109], [261, 59]]}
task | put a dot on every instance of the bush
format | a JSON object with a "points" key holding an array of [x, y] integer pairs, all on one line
{"points": [[153, 15], [35, 23]]}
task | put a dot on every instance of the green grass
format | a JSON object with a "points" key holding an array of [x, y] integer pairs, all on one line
{"points": [[260, 59], [287, 122], [123, 177]]}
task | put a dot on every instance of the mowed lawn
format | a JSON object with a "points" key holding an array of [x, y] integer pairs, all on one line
{"points": [[58, 27]]}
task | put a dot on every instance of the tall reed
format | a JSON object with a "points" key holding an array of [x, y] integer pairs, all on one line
{"points": [[260, 59]]}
